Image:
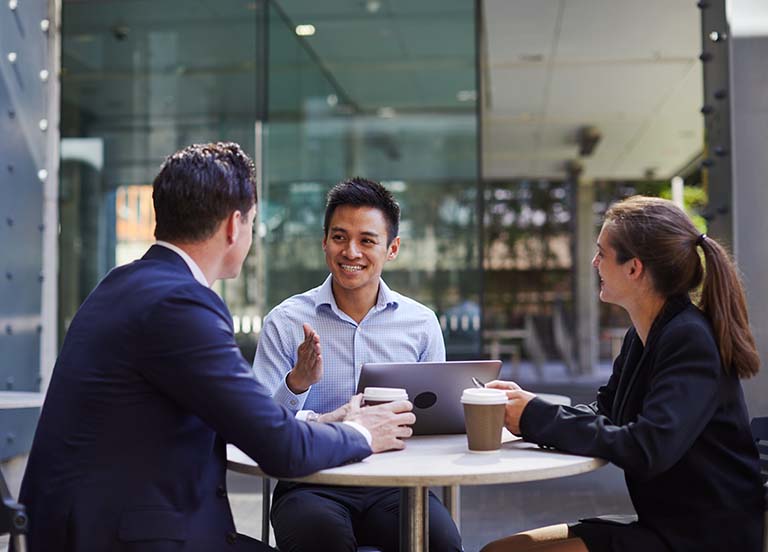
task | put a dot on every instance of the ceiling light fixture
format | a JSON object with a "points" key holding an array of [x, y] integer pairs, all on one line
{"points": [[386, 112], [305, 30], [466, 95], [588, 137], [573, 169]]}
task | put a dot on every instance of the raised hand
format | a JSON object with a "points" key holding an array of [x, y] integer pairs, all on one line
{"points": [[388, 423], [309, 363]]}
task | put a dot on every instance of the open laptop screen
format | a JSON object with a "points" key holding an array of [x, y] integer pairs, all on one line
{"points": [[434, 388]]}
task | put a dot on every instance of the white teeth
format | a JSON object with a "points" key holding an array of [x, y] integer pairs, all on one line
{"points": [[352, 268]]}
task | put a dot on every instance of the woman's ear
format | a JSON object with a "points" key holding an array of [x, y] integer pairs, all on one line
{"points": [[636, 269]]}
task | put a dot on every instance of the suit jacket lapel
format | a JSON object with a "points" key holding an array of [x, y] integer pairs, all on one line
{"points": [[632, 360]]}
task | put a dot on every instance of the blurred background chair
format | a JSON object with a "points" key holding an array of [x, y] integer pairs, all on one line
{"points": [[13, 518], [759, 427]]}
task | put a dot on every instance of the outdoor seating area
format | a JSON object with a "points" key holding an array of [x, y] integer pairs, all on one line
{"points": [[414, 275]]}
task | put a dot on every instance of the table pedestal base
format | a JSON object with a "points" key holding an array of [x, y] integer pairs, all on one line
{"points": [[414, 519]]}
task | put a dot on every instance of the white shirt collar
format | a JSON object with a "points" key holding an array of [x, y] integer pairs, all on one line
{"points": [[196, 272], [324, 295]]}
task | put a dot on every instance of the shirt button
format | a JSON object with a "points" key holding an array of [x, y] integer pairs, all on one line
{"points": [[231, 538], [294, 402], [221, 492]]}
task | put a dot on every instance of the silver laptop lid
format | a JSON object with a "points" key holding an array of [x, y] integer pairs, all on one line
{"points": [[434, 388]]}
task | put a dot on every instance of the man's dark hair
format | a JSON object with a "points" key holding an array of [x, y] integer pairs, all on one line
{"points": [[361, 192], [198, 187]]}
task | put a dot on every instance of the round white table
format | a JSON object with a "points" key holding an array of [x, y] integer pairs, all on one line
{"points": [[436, 460]]}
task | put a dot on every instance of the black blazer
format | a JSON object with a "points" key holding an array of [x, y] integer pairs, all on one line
{"points": [[129, 453], [678, 426]]}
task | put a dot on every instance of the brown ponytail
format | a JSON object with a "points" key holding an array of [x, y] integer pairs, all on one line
{"points": [[662, 236], [724, 303]]}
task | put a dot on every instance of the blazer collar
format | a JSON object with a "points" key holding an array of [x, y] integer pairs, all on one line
{"points": [[674, 306], [160, 253], [632, 366]]}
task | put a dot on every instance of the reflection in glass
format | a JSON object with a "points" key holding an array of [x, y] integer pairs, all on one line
{"points": [[354, 99], [141, 80]]}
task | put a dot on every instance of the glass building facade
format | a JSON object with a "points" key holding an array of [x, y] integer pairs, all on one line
{"points": [[318, 92], [141, 80]]}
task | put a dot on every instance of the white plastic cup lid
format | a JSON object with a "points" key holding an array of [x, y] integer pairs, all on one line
{"points": [[385, 394], [483, 396]]}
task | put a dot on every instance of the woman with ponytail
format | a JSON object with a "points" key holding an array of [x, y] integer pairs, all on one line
{"points": [[672, 415]]}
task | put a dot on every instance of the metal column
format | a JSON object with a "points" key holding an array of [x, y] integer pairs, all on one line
{"points": [[414, 509]]}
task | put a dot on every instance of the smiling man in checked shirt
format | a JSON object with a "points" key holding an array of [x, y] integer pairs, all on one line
{"points": [[309, 356]]}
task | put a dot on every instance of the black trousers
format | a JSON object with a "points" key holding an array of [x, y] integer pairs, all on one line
{"points": [[317, 518], [616, 534]]}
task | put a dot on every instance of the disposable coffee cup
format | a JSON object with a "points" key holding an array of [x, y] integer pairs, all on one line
{"points": [[484, 418], [382, 395]]}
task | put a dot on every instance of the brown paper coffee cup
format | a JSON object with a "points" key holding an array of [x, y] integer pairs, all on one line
{"points": [[484, 418]]}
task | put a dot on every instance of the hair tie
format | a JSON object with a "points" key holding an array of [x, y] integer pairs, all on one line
{"points": [[700, 239]]}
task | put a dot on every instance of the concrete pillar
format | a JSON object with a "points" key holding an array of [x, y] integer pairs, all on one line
{"points": [[748, 21], [585, 280]]}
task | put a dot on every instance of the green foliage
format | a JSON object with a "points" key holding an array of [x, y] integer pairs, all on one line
{"points": [[694, 202]]}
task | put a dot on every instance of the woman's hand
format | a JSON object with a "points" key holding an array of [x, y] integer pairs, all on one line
{"points": [[517, 399]]}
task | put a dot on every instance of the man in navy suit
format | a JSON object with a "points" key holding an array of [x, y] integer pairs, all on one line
{"points": [[129, 453]]}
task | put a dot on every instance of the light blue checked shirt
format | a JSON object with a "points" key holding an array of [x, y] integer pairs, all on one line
{"points": [[396, 329]]}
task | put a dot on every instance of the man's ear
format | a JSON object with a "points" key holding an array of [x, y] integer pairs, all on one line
{"points": [[394, 249], [232, 224]]}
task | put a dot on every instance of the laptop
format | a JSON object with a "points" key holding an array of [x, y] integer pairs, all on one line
{"points": [[434, 388]]}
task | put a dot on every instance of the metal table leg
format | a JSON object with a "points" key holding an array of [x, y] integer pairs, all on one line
{"points": [[452, 503], [266, 496], [414, 519]]}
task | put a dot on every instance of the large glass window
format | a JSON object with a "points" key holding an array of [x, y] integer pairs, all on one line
{"points": [[139, 81], [373, 92], [367, 92]]}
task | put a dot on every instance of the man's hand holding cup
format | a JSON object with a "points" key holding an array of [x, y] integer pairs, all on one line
{"points": [[389, 423]]}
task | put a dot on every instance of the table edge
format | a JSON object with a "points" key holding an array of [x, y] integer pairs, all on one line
{"points": [[423, 480]]}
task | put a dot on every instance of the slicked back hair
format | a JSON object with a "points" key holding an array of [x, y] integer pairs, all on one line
{"points": [[361, 192], [200, 186]]}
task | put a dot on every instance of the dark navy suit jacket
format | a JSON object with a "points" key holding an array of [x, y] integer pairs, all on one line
{"points": [[129, 453], [678, 426]]}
